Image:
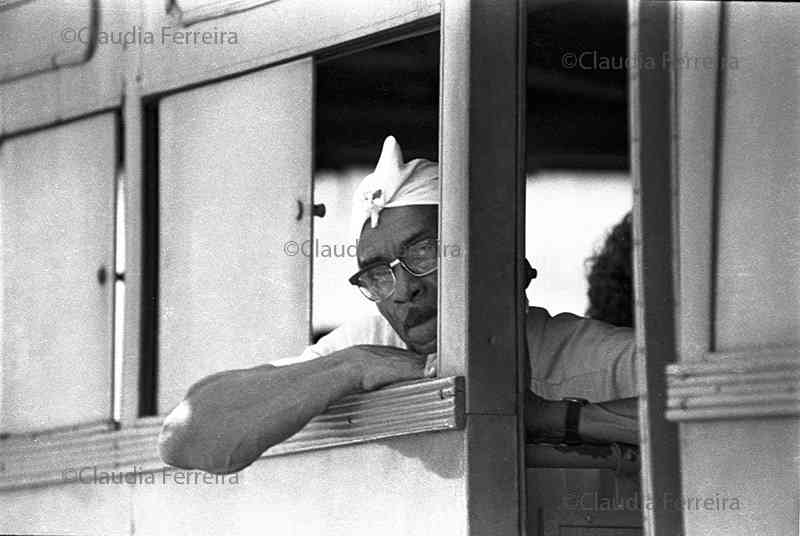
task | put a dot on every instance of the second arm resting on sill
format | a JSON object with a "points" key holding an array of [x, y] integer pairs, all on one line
{"points": [[615, 421]]}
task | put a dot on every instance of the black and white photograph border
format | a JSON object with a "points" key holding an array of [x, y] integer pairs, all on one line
{"points": [[399, 267]]}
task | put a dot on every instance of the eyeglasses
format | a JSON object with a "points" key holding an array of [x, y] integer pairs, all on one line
{"points": [[377, 281]]}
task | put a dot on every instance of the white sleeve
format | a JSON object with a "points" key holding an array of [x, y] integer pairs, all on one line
{"points": [[575, 356], [365, 329]]}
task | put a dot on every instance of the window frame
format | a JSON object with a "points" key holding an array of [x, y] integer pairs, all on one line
{"points": [[653, 166], [482, 134]]}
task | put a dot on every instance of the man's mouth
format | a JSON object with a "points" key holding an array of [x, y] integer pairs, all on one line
{"points": [[417, 317]]}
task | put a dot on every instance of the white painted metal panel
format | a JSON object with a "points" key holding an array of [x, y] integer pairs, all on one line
{"points": [[193, 11], [86, 508], [68, 72], [740, 478], [758, 269], [235, 159], [734, 391], [404, 486], [34, 37], [697, 35], [57, 195], [271, 32]]}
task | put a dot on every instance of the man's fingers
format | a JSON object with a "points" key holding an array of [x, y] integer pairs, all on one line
{"points": [[388, 364], [391, 351]]}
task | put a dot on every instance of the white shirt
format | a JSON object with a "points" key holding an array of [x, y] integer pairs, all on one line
{"points": [[569, 355]]}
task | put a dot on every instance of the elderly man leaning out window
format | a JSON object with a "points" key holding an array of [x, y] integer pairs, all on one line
{"points": [[229, 419]]}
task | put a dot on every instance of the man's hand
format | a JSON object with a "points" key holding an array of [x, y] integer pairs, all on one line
{"points": [[228, 420], [382, 365]]}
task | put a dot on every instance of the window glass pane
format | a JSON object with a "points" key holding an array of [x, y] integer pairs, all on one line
{"points": [[57, 195], [235, 159]]}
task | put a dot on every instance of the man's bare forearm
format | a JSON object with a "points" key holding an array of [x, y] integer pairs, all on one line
{"points": [[615, 421], [229, 419]]}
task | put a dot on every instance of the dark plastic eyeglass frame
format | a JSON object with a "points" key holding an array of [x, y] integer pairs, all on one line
{"points": [[354, 279]]}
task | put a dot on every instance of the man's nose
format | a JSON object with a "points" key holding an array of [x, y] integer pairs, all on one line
{"points": [[407, 286]]}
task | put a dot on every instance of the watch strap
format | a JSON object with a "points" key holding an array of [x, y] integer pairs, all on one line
{"points": [[572, 435]]}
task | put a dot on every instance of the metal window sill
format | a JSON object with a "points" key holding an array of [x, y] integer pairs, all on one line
{"points": [[398, 410]]}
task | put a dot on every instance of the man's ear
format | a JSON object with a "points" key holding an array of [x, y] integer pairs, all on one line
{"points": [[530, 273]]}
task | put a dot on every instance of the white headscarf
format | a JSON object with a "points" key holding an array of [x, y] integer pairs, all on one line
{"points": [[394, 184]]}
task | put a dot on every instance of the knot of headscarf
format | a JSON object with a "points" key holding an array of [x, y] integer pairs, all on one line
{"points": [[394, 184]]}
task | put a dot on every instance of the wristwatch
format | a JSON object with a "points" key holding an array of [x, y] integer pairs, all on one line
{"points": [[571, 434]]}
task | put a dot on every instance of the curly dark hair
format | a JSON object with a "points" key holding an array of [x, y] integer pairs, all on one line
{"points": [[610, 277]]}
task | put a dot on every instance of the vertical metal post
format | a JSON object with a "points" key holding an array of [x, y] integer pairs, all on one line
{"points": [[480, 290], [652, 165]]}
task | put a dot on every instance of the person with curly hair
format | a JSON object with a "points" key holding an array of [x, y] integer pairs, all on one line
{"points": [[610, 277]]}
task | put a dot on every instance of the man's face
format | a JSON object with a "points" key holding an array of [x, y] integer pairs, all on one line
{"points": [[411, 310]]}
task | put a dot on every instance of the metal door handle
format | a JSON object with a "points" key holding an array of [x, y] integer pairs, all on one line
{"points": [[317, 210]]}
